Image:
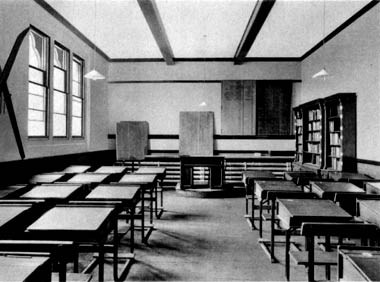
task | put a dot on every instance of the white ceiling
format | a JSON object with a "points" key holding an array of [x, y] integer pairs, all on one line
{"points": [[205, 28]]}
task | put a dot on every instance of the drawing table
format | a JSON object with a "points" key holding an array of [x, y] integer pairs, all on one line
{"points": [[301, 177], [344, 192], [249, 178], [268, 191], [47, 178], [129, 196], [372, 188], [54, 192], [160, 172], [356, 178], [13, 191], [76, 169], [22, 268], [82, 225], [147, 183], [360, 264], [292, 213], [111, 169], [89, 178]]}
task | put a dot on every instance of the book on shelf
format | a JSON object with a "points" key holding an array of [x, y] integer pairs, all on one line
{"points": [[336, 164], [336, 152], [331, 126], [314, 148], [334, 138]]}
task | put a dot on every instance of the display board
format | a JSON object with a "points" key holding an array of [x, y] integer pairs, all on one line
{"points": [[132, 140]]}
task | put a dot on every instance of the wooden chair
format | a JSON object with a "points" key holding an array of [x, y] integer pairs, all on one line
{"points": [[310, 257]]}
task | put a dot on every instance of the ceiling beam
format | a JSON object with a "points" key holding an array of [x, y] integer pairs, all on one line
{"points": [[255, 23], [153, 18]]}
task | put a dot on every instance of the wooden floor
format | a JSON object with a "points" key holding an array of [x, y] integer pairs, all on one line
{"points": [[206, 240]]}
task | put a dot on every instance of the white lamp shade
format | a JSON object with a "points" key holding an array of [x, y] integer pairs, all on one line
{"points": [[94, 75], [322, 73]]}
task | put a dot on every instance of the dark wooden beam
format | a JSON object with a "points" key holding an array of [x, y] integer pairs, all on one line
{"points": [[153, 18], [256, 21]]}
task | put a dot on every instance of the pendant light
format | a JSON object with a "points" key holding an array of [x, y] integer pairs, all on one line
{"points": [[323, 72], [94, 74]]}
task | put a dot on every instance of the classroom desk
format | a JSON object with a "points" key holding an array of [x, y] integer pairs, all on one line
{"points": [[372, 188], [344, 192], [76, 169], [161, 173], [13, 191], [83, 225], [129, 196], [301, 178], [355, 178], [268, 191], [47, 178], [147, 183], [89, 178], [54, 192], [292, 213], [20, 269], [358, 264], [249, 178], [111, 169]]}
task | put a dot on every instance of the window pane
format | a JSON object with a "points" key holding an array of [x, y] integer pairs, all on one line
{"points": [[36, 128], [37, 50], [59, 102], [59, 80], [36, 115], [76, 89], [36, 89], [36, 76], [59, 125], [36, 102], [60, 57], [77, 71], [77, 126], [77, 107]]}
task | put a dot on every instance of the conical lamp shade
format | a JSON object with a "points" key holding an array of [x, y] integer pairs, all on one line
{"points": [[94, 75], [322, 73]]}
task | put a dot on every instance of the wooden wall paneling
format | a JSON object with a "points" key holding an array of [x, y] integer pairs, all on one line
{"points": [[196, 132], [249, 107], [132, 140]]}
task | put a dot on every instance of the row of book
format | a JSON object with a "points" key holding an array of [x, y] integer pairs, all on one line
{"points": [[314, 148], [315, 136], [335, 139], [315, 114], [298, 122], [334, 125], [336, 152], [315, 125], [336, 164], [299, 130]]}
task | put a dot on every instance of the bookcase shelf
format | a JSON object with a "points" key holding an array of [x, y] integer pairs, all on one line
{"points": [[326, 132]]}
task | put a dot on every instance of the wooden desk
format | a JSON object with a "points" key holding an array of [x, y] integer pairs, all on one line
{"points": [[372, 188], [13, 191], [80, 224], [301, 177], [111, 169], [369, 210], [53, 192], [20, 269], [129, 196], [214, 163], [356, 178], [249, 177], [268, 191], [89, 178], [47, 178], [148, 184], [292, 213], [361, 264], [346, 191], [76, 169], [160, 172]]}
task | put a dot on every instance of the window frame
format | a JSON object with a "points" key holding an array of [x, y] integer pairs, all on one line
{"points": [[67, 91], [45, 84], [76, 58]]}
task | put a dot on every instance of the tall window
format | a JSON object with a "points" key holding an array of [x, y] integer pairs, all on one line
{"points": [[77, 98], [38, 82], [61, 56]]}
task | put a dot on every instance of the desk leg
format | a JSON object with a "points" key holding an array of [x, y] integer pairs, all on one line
{"points": [[273, 208], [287, 249], [101, 260], [142, 215], [253, 207], [151, 204], [261, 201], [132, 228]]}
